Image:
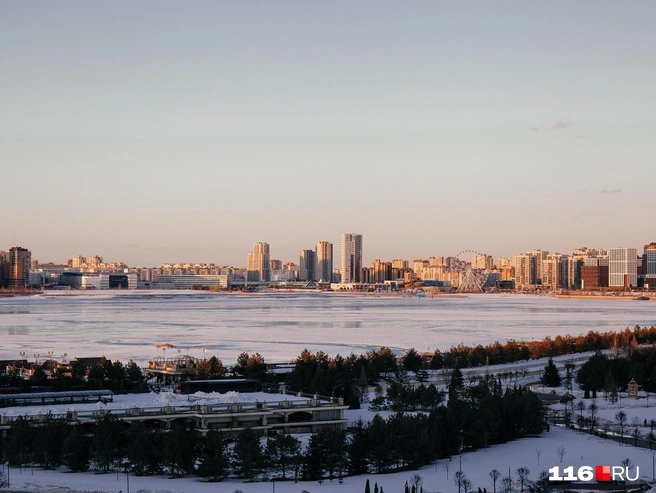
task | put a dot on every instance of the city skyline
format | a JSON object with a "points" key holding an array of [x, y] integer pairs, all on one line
{"points": [[441, 127], [260, 257]]}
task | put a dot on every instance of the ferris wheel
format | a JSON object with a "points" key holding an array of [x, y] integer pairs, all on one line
{"points": [[471, 278]]}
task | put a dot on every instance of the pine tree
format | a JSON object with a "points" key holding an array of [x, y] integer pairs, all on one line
{"points": [[248, 453], [213, 462], [366, 487], [551, 375], [457, 381]]}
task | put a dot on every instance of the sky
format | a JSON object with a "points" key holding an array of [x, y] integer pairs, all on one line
{"points": [[165, 131]]}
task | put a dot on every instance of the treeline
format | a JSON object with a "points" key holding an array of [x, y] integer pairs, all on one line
{"points": [[346, 377], [609, 375], [512, 351], [474, 417], [114, 376], [399, 397]]}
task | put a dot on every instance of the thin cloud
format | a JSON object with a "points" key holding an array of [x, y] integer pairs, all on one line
{"points": [[560, 124], [614, 190], [557, 125]]}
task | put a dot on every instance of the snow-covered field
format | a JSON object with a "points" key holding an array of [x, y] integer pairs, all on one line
{"points": [[581, 450], [125, 325]]}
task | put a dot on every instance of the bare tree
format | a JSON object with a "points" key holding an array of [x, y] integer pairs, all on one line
{"points": [[560, 452], [416, 481], [494, 476], [458, 478], [567, 415], [581, 407], [446, 465], [522, 473], [538, 452], [506, 484], [620, 417], [569, 375], [651, 436], [635, 430], [466, 485], [592, 411], [446, 376]]}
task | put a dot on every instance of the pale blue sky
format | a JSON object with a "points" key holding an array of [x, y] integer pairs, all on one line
{"points": [[187, 131]]}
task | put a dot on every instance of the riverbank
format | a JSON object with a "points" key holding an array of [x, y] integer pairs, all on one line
{"points": [[616, 297]]}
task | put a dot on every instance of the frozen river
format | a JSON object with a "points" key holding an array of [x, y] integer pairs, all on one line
{"points": [[280, 326]]}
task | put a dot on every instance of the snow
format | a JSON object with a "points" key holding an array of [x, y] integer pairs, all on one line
{"points": [[581, 450], [127, 325]]}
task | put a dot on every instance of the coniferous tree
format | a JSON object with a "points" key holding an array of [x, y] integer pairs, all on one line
{"points": [[457, 381], [212, 454], [281, 449], [145, 450], [358, 449], [411, 360], [76, 452], [20, 440], [48, 439], [550, 375], [248, 453], [180, 450], [107, 442]]}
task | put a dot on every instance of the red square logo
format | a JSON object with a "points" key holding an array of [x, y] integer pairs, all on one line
{"points": [[602, 473]]}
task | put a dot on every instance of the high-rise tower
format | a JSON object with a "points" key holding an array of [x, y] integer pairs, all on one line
{"points": [[307, 261], [324, 256], [622, 267], [259, 262], [351, 258], [19, 267]]}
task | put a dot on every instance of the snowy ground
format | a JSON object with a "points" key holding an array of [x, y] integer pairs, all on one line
{"points": [[581, 449]]}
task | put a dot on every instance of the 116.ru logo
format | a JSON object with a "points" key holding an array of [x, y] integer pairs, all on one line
{"points": [[598, 473]]}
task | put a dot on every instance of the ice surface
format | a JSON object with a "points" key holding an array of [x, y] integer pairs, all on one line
{"points": [[279, 326]]}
